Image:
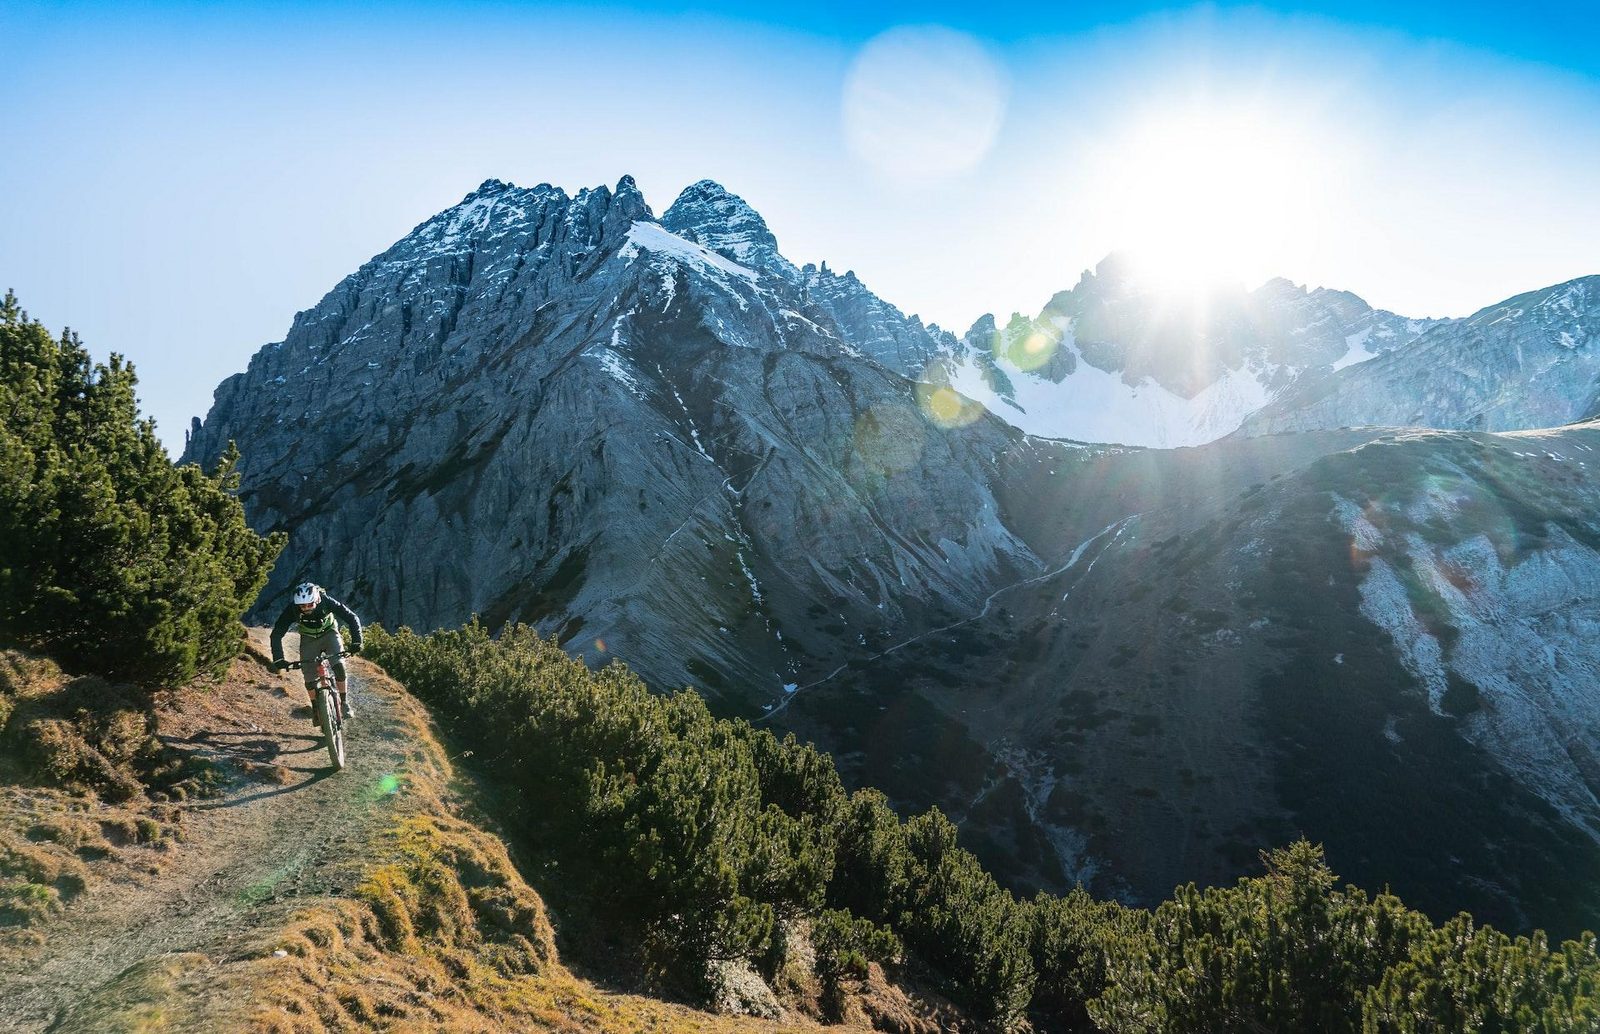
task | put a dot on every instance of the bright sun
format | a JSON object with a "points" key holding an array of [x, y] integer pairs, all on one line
{"points": [[1204, 197]]}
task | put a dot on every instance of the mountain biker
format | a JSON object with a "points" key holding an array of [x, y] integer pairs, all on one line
{"points": [[316, 616]]}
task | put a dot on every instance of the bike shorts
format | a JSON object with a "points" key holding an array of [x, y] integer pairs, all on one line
{"points": [[310, 646]]}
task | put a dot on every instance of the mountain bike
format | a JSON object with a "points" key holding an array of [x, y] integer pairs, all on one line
{"points": [[326, 706]]}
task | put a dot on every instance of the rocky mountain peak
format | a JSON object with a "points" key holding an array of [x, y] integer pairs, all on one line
{"points": [[627, 193], [710, 215], [487, 188], [1112, 277], [1116, 268], [982, 328], [1281, 287], [606, 215]]}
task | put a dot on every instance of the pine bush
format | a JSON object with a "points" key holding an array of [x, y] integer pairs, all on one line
{"points": [[115, 561]]}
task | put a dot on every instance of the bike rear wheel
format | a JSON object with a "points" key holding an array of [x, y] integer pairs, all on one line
{"points": [[332, 726]]}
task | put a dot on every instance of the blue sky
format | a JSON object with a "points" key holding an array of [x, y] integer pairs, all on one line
{"points": [[180, 179]]}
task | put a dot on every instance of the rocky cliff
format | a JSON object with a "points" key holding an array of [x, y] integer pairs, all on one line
{"points": [[1531, 361], [658, 439]]}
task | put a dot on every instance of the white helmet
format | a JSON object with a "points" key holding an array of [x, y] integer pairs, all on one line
{"points": [[306, 592]]}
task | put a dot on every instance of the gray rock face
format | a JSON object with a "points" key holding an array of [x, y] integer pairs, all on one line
{"points": [[1532, 361], [709, 215], [876, 328], [555, 409]]}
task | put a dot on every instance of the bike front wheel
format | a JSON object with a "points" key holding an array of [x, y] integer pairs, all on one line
{"points": [[332, 727]]}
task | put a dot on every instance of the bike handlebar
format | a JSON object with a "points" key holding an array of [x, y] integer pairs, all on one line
{"points": [[297, 665]]}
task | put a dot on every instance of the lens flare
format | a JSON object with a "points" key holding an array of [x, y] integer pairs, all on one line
{"points": [[600, 644], [1217, 192], [1026, 351], [923, 103], [945, 406]]}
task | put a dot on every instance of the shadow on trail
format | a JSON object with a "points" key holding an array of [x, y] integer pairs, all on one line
{"points": [[316, 775], [257, 747], [250, 753]]}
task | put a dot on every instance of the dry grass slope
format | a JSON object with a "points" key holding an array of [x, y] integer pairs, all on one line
{"points": [[442, 934], [105, 791]]}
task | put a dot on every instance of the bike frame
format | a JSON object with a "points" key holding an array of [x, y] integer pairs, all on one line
{"points": [[327, 710]]}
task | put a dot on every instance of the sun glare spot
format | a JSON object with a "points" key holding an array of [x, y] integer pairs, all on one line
{"points": [[1204, 196]]}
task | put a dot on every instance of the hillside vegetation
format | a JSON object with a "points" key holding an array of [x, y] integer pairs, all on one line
{"points": [[114, 560], [701, 836]]}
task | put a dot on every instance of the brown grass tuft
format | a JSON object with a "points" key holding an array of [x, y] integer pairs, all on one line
{"points": [[36, 880], [88, 735]]}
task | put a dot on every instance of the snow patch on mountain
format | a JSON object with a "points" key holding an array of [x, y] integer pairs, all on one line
{"points": [[655, 238], [1359, 352], [616, 367], [1094, 405]]}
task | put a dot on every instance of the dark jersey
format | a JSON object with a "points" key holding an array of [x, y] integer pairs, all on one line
{"points": [[320, 619]]}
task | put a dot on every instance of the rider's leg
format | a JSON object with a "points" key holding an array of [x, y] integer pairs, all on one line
{"points": [[344, 698], [310, 647]]}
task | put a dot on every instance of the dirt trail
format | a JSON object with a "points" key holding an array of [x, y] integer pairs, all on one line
{"points": [[287, 829]]}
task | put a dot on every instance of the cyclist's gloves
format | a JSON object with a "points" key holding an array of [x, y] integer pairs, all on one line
{"points": [[355, 648], [280, 665]]}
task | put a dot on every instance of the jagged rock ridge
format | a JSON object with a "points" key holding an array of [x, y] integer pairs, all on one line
{"points": [[657, 438], [1529, 362]]}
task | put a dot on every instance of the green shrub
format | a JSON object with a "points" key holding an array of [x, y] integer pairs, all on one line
{"points": [[1462, 978], [846, 945], [699, 834], [695, 835], [845, 948], [963, 923], [1071, 940], [1284, 951], [116, 561]]}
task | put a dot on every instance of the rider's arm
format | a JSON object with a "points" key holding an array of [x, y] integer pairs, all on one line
{"points": [[280, 629], [348, 616]]}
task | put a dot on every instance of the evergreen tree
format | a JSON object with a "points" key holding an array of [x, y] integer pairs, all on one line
{"points": [[1284, 951], [116, 561]]}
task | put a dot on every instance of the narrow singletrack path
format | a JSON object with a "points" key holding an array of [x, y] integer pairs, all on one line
{"points": [[287, 828]]}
